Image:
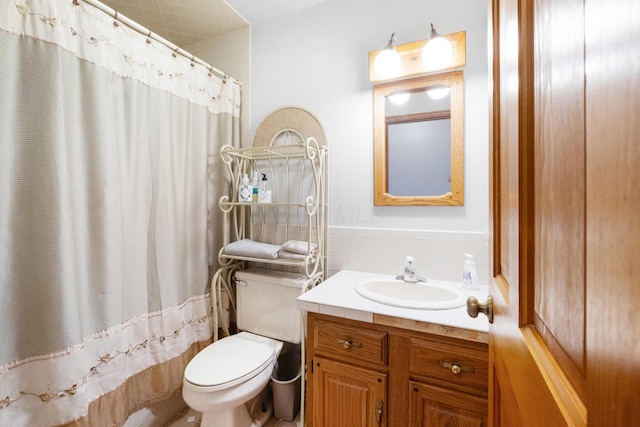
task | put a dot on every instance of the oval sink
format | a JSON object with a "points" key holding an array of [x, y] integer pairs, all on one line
{"points": [[423, 296]]}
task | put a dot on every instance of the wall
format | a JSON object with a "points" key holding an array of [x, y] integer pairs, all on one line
{"points": [[317, 58]]}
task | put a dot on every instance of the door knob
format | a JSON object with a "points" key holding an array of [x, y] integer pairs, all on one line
{"points": [[474, 307]]}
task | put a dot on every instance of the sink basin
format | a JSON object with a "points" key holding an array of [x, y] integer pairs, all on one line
{"points": [[432, 295]]}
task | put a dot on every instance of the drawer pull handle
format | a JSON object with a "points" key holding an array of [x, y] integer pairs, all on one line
{"points": [[348, 344], [455, 367]]}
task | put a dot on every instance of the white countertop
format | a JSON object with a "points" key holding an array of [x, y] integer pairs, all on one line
{"points": [[337, 297]]}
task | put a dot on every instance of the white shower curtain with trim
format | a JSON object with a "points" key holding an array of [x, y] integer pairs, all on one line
{"points": [[109, 179]]}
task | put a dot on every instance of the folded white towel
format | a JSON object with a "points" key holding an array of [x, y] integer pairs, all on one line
{"points": [[299, 247], [252, 249], [291, 256]]}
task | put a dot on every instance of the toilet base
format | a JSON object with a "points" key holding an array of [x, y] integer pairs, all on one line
{"points": [[254, 413]]}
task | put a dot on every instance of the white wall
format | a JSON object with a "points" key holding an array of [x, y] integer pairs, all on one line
{"points": [[317, 58]]}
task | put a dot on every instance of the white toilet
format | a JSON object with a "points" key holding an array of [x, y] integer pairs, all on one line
{"points": [[227, 381]]}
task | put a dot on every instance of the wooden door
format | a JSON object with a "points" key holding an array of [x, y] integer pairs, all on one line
{"points": [[347, 396], [565, 213]]}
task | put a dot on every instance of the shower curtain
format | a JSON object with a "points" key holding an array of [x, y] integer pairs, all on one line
{"points": [[109, 180]]}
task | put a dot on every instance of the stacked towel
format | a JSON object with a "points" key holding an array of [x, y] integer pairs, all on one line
{"points": [[252, 249], [294, 250], [297, 250], [299, 247], [292, 256]]}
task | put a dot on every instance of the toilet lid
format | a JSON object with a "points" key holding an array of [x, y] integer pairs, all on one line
{"points": [[230, 360]]}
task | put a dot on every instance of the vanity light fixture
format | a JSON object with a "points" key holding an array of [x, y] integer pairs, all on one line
{"points": [[438, 51], [406, 59], [387, 62]]}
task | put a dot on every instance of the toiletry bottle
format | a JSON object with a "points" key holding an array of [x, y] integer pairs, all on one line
{"points": [[470, 274], [254, 185], [245, 191], [264, 194]]}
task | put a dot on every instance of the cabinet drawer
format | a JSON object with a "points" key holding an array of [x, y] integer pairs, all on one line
{"points": [[350, 343], [461, 365]]}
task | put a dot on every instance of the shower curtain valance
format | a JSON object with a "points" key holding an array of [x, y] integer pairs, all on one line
{"points": [[92, 35]]}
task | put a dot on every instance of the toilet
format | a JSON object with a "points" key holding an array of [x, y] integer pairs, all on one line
{"points": [[228, 380]]}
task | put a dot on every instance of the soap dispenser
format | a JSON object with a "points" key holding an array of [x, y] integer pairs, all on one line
{"points": [[254, 185], [245, 191], [264, 194], [470, 274]]}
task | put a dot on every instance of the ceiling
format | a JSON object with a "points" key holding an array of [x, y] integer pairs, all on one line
{"points": [[184, 22]]}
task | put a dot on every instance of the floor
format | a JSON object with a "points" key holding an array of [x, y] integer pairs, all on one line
{"points": [[191, 418], [185, 418]]}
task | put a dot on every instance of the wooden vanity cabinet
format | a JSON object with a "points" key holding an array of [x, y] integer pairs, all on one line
{"points": [[347, 379], [440, 407], [448, 385], [347, 395], [367, 375]]}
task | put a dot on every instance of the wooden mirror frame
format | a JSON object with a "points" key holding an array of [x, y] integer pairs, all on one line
{"points": [[455, 197]]}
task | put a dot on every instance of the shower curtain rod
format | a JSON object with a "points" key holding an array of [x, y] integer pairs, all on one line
{"points": [[145, 31]]}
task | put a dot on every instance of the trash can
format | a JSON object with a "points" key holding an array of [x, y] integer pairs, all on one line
{"points": [[285, 383]]}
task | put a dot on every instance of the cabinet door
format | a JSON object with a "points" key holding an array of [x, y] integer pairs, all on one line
{"points": [[347, 396], [437, 407]]}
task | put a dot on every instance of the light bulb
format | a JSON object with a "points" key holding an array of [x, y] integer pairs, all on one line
{"points": [[437, 53], [387, 63], [399, 98], [438, 92]]}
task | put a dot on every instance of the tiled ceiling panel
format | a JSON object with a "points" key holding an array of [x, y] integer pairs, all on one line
{"points": [[182, 22]]}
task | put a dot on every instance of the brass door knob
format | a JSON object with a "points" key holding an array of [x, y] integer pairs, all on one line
{"points": [[474, 307]]}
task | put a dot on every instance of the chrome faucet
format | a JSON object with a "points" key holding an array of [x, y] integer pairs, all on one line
{"points": [[409, 275]]}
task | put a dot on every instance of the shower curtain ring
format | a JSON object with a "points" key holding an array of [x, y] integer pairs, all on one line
{"points": [[115, 22], [149, 37], [76, 3], [175, 51], [193, 58]]}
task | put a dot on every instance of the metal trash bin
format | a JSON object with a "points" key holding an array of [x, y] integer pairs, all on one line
{"points": [[285, 384]]}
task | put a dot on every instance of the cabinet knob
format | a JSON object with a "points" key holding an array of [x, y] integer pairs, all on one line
{"points": [[348, 344], [474, 307], [456, 368]]}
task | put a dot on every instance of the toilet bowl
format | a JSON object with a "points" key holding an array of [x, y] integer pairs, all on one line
{"points": [[227, 381], [223, 378]]}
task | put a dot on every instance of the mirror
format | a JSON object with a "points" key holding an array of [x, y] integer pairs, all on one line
{"points": [[419, 141]]}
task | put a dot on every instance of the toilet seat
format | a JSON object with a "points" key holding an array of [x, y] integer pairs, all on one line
{"points": [[230, 361]]}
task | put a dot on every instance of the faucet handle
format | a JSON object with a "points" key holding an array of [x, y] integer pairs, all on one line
{"points": [[409, 261]]}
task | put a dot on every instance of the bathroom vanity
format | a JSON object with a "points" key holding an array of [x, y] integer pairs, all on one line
{"points": [[370, 364]]}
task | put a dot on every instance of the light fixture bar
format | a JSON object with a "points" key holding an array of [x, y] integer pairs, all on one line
{"points": [[411, 58]]}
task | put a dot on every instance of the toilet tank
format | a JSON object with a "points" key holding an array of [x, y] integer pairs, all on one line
{"points": [[266, 303]]}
